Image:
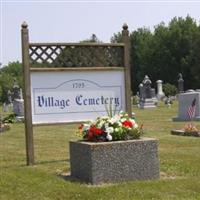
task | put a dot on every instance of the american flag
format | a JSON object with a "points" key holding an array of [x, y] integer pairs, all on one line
{"points": [[191, 109]]}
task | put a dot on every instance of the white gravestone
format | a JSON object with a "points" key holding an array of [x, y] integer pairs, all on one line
{"points": [[185, 100], [160, 93]]}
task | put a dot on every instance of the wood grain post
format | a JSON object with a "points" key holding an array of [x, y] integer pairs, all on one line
{"points": [[125, 40], [27, 95]]}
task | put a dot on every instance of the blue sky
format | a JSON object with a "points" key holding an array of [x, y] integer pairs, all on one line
{"points": [[72, 21]]}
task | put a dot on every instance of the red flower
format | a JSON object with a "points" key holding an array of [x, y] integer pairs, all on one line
{"points": [[80, 127], [95, 131], [92, 132], [90, 135], [127, 124]]}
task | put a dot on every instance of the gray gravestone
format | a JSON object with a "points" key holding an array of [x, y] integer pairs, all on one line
{"points": [[18, 103], [8, 102], [5, 107], [185, 100], [180, 83], [9, 97], [16, 90], [147, 87], [147, 94]]}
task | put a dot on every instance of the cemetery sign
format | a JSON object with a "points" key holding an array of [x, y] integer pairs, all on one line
{"points": [[73, 82], [70, 96]]}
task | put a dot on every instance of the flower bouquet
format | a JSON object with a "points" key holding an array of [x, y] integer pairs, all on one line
{"points": [[111, 128], [188, 130], [191, 130], [4, 126]]}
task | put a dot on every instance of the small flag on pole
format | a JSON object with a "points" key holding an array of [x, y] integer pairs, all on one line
{"points": [[191, 109]]}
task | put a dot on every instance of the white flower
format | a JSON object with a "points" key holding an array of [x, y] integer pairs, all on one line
{"points": [[109, 137], [104, 117], [114, 119], [106, 125], [134, 123], [109, 130], [86, 126], [119, 123], [100, 124], [92, 122], [123, 119]]}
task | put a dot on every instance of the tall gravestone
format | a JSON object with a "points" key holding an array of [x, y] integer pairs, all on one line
{"points": [[9, 97], [146, 94], [160, 93], [18, 103], [180, 83]]}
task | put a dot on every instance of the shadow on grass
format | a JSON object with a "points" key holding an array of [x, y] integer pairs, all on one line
{"points": [[45, 162], [67, 177], [50, 161]]}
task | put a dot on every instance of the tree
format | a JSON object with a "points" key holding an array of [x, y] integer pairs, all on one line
{"points": [[7, 75], [140, 56], [116, 38], [164, 53], [92, 39]]}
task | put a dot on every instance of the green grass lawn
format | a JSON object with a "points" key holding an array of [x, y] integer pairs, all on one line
{"points": [[48, 179]]}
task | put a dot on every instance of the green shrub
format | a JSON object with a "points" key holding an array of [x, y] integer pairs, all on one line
{"points": [[135, 100], [10, 119], [169, 89]]}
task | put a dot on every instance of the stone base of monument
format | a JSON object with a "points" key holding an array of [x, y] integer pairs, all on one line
{"points": [[110, 162], [20, 118], [147, 103], [18, 107], [180, 119], [183, 133], [160, 96]]}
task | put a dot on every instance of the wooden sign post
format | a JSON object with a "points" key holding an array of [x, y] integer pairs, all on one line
{"points": [[27, 95]]}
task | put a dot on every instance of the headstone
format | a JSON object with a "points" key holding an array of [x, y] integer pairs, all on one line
{"points": [[160, 93], [16, 90], [147, 87], [141, 91], [18, 103], [185, 101], [180, 83], [153, 94], [9, 97], [190, 90], [5, 107], [18, 107], [168, 102], [146, 94]]}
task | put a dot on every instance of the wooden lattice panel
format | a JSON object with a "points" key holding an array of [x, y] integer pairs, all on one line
{"points": [[49, 55]]}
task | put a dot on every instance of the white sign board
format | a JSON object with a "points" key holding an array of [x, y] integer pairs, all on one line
{"points": [[72, 96]]}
